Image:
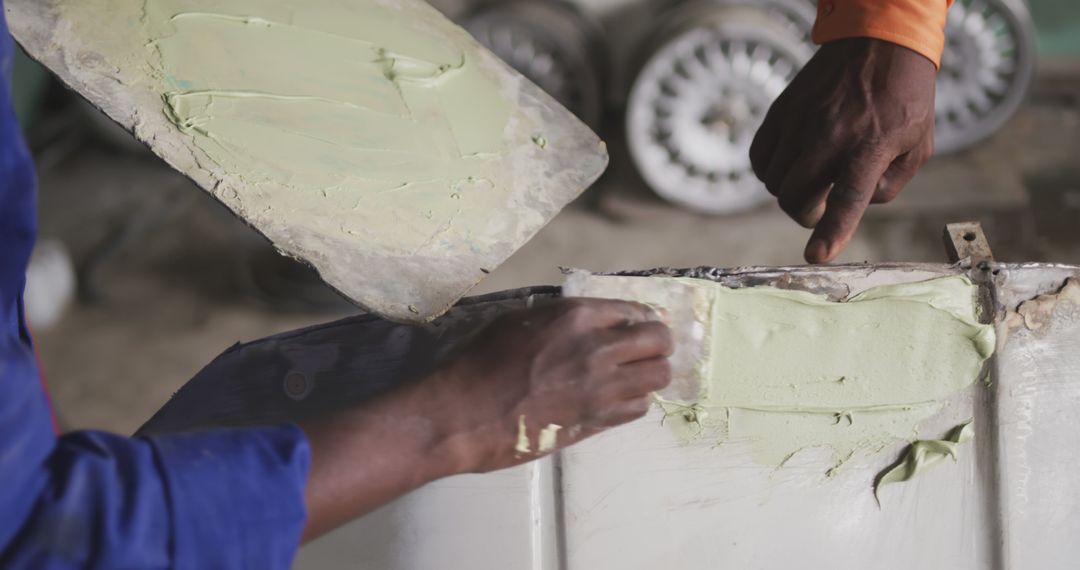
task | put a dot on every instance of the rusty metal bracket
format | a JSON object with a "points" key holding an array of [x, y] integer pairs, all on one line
{"points": [[966, 241], [966, 245]]}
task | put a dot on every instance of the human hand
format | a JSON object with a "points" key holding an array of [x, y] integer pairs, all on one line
{"points": [[851, 129], [582, 364]]}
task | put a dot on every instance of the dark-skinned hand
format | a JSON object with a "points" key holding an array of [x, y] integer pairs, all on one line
{"points": [[583, 364], [851, 130]]}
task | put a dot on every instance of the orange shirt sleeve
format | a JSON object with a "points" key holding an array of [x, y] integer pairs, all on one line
{"points": [[915, 24]]}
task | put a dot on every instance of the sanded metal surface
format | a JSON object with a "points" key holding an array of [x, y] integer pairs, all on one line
{"points": [[1037, 408], [411, 288]]}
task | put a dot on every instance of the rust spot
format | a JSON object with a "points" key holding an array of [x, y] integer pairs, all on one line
{"points": [[1036, 314]]}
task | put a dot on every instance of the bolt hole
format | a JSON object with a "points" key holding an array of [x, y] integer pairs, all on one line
{"points": [[297, 386], [970, 236]]}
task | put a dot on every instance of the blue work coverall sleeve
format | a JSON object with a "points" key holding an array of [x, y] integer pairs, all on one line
{"points": [[228, 498], [219, 499]]}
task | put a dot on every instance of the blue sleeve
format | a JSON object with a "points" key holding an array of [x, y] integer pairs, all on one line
{"points": [[238, 492], [229, 498]]}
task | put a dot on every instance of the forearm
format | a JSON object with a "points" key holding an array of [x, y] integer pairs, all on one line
{"points": [[367, 456]]}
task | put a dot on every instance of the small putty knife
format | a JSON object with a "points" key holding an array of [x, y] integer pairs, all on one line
{"points": [[687, 309]]}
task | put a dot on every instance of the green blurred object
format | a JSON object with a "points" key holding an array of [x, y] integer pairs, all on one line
{"points": [[1057, 24], [28, 88]]}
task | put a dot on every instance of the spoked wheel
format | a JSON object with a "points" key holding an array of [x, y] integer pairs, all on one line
{"points": [[699, 98], [796, 15], [986, 68], [553, 44]]}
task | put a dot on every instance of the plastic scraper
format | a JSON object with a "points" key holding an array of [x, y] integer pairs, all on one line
{"points": [[372, 139], [687, 310]]}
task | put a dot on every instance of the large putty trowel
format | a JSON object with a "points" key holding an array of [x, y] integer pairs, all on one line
{"points": [[372, 139]]}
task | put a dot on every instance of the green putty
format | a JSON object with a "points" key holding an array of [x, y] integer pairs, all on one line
{"points": [[522, 446], [345, 103], [924, 454], [788, 370], [364, 108], [548, 438]]}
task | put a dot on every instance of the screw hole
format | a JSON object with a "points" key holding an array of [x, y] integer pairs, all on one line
{"points": [[297, 386], [970, 236]]}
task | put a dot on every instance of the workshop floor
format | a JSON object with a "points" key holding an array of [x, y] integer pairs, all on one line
{"points": [[180, 280]]}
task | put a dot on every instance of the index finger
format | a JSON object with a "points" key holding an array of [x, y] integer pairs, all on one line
{"points": [[844, 208]]}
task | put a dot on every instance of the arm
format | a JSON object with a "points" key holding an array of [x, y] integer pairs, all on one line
{"points": [[237, 497], [95, 500], [215, 499], [584, 365], [857, 122]]}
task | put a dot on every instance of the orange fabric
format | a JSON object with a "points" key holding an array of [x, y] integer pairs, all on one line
{"points": [[915, 24]]}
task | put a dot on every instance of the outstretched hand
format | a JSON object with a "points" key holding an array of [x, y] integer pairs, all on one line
{"points": [[851, 130]]}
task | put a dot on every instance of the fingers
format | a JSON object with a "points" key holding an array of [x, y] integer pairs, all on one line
{"points": [[900, 172], [775, 146], [766, 139], [805, 187], [641, 352], [640, 341], [848, 199], [638, 380], [783, 156], [806, 194]]}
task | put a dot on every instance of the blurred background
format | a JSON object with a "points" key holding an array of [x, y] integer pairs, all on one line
{"points": [[140, 278]]}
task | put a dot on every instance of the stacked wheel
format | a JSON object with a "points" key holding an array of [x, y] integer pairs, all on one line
{"points": [[710, 75], [986, 68], [552, 43]]}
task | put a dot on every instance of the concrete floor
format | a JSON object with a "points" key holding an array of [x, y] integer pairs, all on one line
{"points": [[183, 280]]}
